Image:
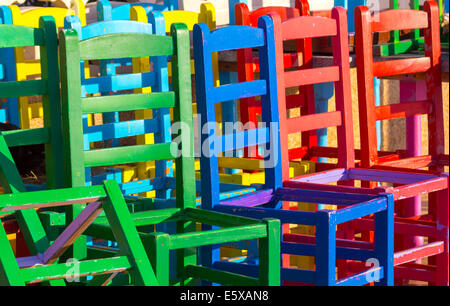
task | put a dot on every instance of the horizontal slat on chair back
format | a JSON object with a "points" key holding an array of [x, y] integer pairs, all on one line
{"points": [[284, 12], [131, 154], [401, 66], [130, 102], [120, 129]]}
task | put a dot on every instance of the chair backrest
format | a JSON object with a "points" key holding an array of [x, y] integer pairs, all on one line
{"points": [[105, 11], [368, 69], [308, 27], [74, 105], [232, 38], [45, 38], [398, 44]]}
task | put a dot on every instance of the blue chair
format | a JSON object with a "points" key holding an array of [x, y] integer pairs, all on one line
{"points": [[105, 11], [267, 201]]}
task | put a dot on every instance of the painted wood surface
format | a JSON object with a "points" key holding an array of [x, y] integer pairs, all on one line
{"points": [[19, 111]]}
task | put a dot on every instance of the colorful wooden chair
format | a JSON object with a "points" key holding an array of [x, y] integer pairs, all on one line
{"points": [[405, 183], [432, 107], [267, 201], [44, 266], [105, 11], [185, 215], [18, 67], [13, 36], [249, 108], [162, 22]]}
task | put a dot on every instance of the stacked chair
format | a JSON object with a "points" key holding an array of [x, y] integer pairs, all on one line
{"points": [[184, 215], [268, 201], [42, 264]]}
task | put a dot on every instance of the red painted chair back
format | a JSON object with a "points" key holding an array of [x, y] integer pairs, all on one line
{"points": [[248, 65], [368, 69], [308, 27]]}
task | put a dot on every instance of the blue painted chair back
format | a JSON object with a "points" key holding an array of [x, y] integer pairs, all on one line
{"points": [[105, 11], [157, 79], [232, 38]]}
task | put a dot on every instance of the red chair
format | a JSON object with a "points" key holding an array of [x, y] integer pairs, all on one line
{"points": [[405, 182]]}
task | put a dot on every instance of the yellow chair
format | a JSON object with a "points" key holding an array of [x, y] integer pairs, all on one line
{"points": [[28, 68]]}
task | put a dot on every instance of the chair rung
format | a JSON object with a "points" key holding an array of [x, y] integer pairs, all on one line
{"points": [[427, 250], [30, 261]]}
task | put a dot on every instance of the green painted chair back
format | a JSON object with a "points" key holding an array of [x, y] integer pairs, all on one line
{"points": [[48, 87], [130, 45]]}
